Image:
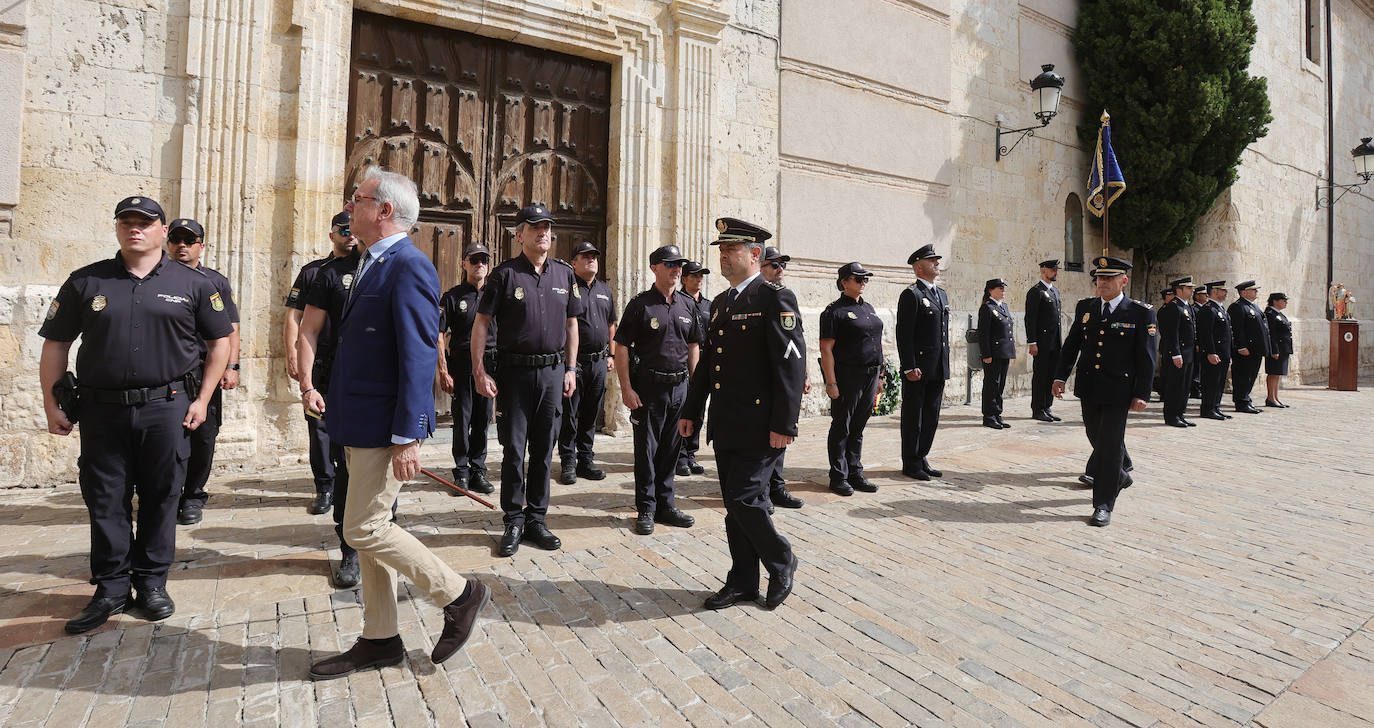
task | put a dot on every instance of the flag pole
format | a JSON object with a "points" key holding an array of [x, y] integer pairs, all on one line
{"points": [[1107, 205]]}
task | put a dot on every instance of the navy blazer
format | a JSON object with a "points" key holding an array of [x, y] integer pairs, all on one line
{"points": [[923, 332], [1118, 353], [996, 337], [382, 381]]}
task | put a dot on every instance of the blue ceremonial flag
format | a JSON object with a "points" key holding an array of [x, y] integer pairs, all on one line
{"points": [[1105, 182]]}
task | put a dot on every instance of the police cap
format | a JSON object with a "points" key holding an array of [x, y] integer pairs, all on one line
{"points": [[341, 220], [771, 255], [187, 224], [532, 215], [691, 268], [476, 248], [1051, 263], [925, 252], [994, 283], [667, 254], [1165, 293], [734, 230], [1246, 285], [854, 269], [1215, 284], [1184, 282], [1106, 266], [586, 246], [145, 206]]}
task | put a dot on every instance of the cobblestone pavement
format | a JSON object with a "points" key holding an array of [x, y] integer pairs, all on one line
{"points": [[1233, 588]]}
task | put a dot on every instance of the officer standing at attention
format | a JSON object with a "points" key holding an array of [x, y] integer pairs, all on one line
{"points": [[1177, 338], [1214, 345], [471, 411], [693, 285], [659, 340], [1045, 336], [1113, 339], [141, 317], [595, 330], [1280, 348], [324, 301], [773, 269], [1166, 296], [321, 462], [185, 243], [1199, 300], [1249, 344], [851, 340], [923, 349], [996, 347], [535, 302], [752, 368]]}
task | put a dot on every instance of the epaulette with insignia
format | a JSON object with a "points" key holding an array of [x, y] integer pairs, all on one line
{"points": [[1146, 305], [564, 262]]}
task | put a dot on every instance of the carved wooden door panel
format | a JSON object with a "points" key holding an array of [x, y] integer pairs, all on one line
{"points": [[483, 127]]}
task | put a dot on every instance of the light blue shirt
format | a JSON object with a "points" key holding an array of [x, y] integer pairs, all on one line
{"points": [[745, 283], [375, 251]]}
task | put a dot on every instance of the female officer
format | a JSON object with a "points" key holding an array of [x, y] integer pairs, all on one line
{"points": [[997, 347], [852, 363], [1280, 348]]}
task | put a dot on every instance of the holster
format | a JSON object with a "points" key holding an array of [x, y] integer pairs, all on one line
{"points": [[68, 398]]}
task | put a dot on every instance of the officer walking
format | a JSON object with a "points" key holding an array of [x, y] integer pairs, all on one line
{"points": [[1249, 345], [141, 317], [773, 270], [1045, 336], [324, 300], [753, 367], [595, 330], [659, 340], [693, 285], [1214, 345], [1113, 340], [321, 462], [851, 342], [185, 243], [1199, 300], [471, 411], [923, 349], [996, 348], [1177, 339], [535, 301]]}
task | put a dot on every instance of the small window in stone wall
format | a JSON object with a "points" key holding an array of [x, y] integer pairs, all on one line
{"points": [[1312, 37], [1073, 233]]}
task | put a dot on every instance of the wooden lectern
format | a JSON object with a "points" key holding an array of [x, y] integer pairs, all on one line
{"points": [[1345, 355]]}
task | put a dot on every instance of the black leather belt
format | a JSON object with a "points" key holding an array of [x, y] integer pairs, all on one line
{"points": [[538, 361], [138, 395], [654, 376], [869, 370], [594, 357]]}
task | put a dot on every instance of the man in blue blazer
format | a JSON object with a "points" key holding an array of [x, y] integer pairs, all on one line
{"points": [[380, 407]]}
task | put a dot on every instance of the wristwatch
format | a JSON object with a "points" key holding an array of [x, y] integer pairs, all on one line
{"points": [[570, 368], [233, 366]]}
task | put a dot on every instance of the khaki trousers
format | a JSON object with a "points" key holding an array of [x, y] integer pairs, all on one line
{"points": [[385, 549]]}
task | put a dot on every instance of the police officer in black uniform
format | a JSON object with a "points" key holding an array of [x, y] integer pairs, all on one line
{"points": [[1044, 334], [773, 270], [1177, 339], [996, 347], [534, 301], [851, 342], [321, 464], [325, 299], [185, 243], [694, 286], [141, 317], [752, 368], [595, 329], [1114, 341], [1214, 348], [923, 349], [660, 339], [1280, 348], [471, 411], [1249, 345], [1199, 300]]}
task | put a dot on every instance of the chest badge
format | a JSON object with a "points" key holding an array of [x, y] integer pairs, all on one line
{"points": [[347, 280], [925, 302], [854, 316], [463, 306], [1086, 316], [216, 302], [653, 322], [98, 303], [577, 292], [519, 293]]}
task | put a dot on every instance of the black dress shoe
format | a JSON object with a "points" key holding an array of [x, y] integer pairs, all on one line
{"points": [[683, 470], [780, 585], [1127, 482], [916, 473], [860, 483], [1101, 517], [590, 473], [673, 516], [781, 498], [322, 503], [1187, 422], [1214, 416], [540, 535], [1223, 414], [155, 603], [697, 468], [839, 487], [1248, 409], [644, 523], [189, 514], [1042, 416], [1054, 416], [1176, 422], [461, 480], [1001, 422], [568, 474], [364, 654], [97, 612], [925, 465], [728, 596], [510, 540], [1272, 403], [346, 576], [992, 423], [1086, 480], [478, 482]]}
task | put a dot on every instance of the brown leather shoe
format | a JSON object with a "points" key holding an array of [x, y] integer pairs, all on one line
{"points": [[364, 654], [458, 620]]}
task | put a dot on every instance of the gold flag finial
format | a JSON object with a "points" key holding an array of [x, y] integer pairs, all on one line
{"points": [[1105, 117]]}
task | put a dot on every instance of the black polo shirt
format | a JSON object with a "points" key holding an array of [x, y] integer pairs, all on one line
{"points": [[328, 292], [136, 332], [531, 307], [295, 298], [226, 294], [658, 330], [856, 329], [457, 312], [594, 325]]}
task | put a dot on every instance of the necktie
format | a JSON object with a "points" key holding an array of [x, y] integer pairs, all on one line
{"points": [[1106, 309], [358, 274], [731, 296]]}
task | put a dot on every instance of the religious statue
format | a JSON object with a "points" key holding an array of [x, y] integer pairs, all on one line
{"points": [[1340, 300]]}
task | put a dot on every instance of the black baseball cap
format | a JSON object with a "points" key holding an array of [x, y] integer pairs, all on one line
{"points": [[341, 220], [187, 224], [691, 268], [533, 214], [586, 246], [667, 254], [145, 206], [476, 248], [772, 255]]}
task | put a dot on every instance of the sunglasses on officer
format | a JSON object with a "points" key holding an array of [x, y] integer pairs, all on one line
{"points": [[673, 263], [343, 231], [479, 259], [183, 239], [780, 265]]}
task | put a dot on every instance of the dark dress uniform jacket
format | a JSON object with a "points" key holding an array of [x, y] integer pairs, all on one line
{"points": [[1280, 332], [995, 331], [923, 331], [1117, 353], [1043, 325], [1214, 331], [752, 367], [1177, 333], [1249, 328]]}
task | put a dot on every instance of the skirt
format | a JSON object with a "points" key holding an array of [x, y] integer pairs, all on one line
{"points": [[1276, 366]]}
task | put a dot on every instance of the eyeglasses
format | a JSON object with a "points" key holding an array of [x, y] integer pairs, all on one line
{"points": [[673, 263], [344, 231], [183, 240], [779, 266], [479, 260], [357, 198]]}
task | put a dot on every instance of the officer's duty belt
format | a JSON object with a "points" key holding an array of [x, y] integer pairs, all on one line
{"points": [[538, 361], [867, 370], [654, 376], [139, 395], [594, 356]]}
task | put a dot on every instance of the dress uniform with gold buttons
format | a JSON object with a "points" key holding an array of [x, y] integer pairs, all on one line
{"points": [[997, 342], [752, 369], [923, 350], [1045, 334], [1249, 345], [1177, 339], [1114, 343], [1214, 339]]}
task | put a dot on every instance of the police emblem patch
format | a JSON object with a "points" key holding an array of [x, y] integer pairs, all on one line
{"points": [[519, 293], [294, 294], [788, 319], [721, 226], [98, 303], [853, 316], [653, 322], [52, 309], [462, 305], [216, 302], [347, 280]]}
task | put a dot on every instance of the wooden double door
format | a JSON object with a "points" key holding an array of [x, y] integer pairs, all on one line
{"points": [[484, 127]]}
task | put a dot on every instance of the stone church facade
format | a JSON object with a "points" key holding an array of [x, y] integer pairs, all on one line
{"points": [[855, 130]]}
